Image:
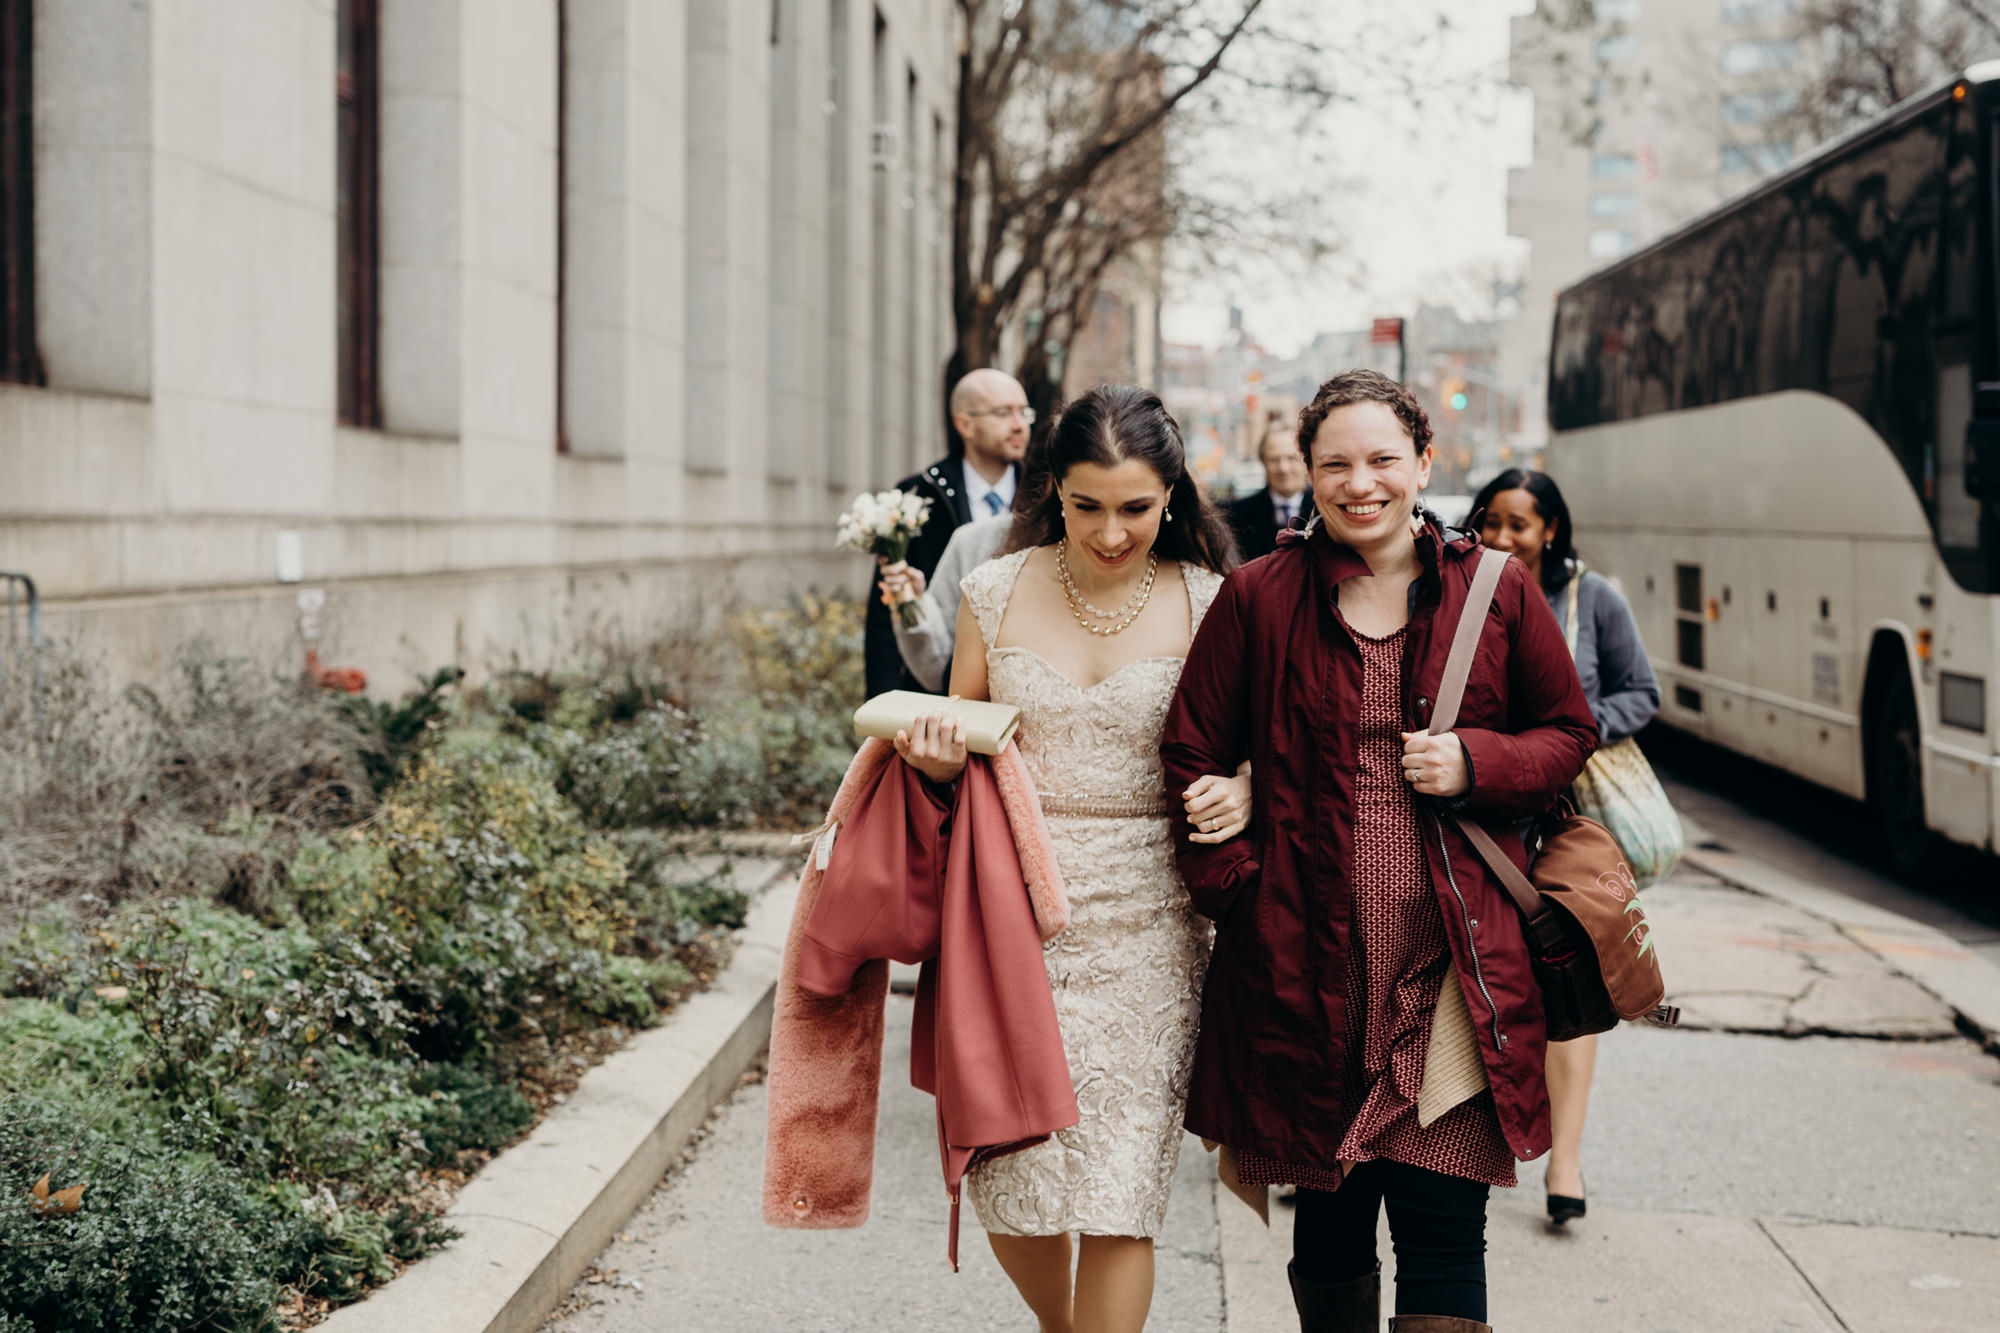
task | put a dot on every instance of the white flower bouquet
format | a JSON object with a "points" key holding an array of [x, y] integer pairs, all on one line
{"points": [[882, 525]]}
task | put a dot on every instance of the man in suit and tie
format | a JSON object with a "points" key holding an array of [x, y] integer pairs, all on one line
{"points": [[976, 480], [1259, 518]]}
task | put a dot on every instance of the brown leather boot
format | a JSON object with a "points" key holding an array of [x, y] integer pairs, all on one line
{"points": [[1354, 1306], [1436, 1323]]}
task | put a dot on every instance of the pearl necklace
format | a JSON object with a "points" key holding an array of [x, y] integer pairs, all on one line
{"points": [[1133, 604]]}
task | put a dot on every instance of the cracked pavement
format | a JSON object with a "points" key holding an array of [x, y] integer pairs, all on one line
{"points": [[1736, 961]]}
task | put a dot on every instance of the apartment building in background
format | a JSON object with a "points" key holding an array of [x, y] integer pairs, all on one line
{"points": [[481, 327], [1648, 117]]}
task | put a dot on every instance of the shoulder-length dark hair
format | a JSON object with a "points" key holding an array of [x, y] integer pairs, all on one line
{"points": [[1549, 504], [1109, 425]]}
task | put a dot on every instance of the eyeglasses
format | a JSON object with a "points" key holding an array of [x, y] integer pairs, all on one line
{"points": [[1027, 414]]}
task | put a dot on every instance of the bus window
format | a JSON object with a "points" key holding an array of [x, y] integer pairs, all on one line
{"points": [[1958, 253], [1957, 507], [1952, 334]]}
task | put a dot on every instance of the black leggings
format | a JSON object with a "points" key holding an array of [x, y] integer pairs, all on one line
{"points": [[1437, 1224]]}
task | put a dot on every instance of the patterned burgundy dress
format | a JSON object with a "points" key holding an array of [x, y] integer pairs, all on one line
{"points": [[1397, 962]]}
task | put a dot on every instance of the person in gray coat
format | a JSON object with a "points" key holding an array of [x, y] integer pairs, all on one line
{"points": [[1523, 513], [926, 647]]}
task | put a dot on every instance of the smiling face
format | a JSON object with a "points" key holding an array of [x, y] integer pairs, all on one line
{"points": [[1367, 475], [1514, 524], [1112, 514]]}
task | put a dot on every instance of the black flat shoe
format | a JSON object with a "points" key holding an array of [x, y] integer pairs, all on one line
{"points": [[1563, 1208]]}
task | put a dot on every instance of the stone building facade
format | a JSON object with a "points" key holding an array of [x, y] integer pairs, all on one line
{"points": [[498, 323]]}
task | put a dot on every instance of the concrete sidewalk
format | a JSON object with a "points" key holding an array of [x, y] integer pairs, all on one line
{"points": [[1817, 1150]]}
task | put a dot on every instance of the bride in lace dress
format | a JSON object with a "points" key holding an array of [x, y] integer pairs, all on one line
{"points": [[1082, 623]]}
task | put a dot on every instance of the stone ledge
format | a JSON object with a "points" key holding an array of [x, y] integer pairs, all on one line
{"points": [[538, 1214]]}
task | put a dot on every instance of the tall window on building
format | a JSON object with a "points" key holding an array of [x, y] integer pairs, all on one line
{"points": [[1614, 166], [1753, 108], [1754, 57], [1757, 157], [562, 225], [1749, 11], [360, 222], [1609, 243], [19, 360]]}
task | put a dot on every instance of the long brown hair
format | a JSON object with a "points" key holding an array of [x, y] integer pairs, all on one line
{"points": [[1107, 426]]}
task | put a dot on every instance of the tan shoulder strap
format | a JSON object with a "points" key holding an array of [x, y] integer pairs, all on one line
{"points": [[1465, 640], [1451, 692], [1569, 628]]}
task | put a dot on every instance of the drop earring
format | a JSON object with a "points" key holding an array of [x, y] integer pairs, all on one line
{"points": [[1170, 514]]}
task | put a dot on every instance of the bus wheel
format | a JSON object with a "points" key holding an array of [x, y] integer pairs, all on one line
{"points": [[1895, 751]]}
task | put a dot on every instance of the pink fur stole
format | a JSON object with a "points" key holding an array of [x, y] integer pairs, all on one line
{"points": [[826, 1053]]}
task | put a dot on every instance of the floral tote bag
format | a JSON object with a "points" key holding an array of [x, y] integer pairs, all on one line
{"points": [[1618, 789]]}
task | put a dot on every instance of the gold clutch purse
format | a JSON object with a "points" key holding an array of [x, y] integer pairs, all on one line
{"points": [[988, 726]]}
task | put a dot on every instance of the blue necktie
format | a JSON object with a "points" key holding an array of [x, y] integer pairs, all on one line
{"points": [[993, 503]]}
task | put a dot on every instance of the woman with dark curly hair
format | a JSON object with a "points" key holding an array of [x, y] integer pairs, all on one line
{"points": [[1083, 622], [1371, 1029]]}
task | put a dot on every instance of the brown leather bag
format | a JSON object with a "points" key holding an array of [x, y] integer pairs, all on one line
{"points": [[1588, 939]]}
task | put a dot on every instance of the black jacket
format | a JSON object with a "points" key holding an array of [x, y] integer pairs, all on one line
{"points": [[943, 483], [1252, 519]]}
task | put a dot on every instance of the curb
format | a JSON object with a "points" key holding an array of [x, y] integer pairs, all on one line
{"points": [[1961, 980], [537, 1215]]}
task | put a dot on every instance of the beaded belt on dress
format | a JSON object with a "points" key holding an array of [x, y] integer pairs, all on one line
{"points": [[1102, 807]]}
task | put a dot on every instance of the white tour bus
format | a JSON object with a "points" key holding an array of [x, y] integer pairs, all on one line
{"points": [[1779, 428]]}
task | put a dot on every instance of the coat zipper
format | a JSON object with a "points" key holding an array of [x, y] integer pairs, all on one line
{"points": [[1478, 973]]}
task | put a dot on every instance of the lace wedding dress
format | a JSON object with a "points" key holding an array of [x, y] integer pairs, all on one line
{"points": [[1127, 972]]}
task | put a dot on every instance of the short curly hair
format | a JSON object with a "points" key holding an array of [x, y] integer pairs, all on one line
{"points": [[1364, 386]]}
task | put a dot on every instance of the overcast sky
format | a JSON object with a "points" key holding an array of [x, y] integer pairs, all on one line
{"points": [[1425, 197]]}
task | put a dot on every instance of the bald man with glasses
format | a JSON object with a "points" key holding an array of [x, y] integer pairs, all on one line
{"points": [[977, 480]]}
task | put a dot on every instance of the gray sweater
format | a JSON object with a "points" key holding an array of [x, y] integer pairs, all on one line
{"points": [[1618, 679], [927, 646]]}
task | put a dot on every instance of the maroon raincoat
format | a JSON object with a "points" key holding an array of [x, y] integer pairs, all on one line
{"points": [[1274, 678]]}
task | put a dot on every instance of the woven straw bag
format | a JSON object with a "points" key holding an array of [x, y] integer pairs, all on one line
{"points": [[1619, 790]]}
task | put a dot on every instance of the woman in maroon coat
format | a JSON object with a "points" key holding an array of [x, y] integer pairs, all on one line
{"points": [[1351, 917]]}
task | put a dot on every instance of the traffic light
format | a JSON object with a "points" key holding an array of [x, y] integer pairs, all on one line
{"points": [[1454, 395]]}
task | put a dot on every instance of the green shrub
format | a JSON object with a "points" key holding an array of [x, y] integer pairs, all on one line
{"points": [[394, 731], [646, 771], [390, 907], [808, 653], [673, 902], [161, 1240], [501, 907], [337, 1251], [468, 1108], [92, 1060], [275, 1051], [630, 756]]}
